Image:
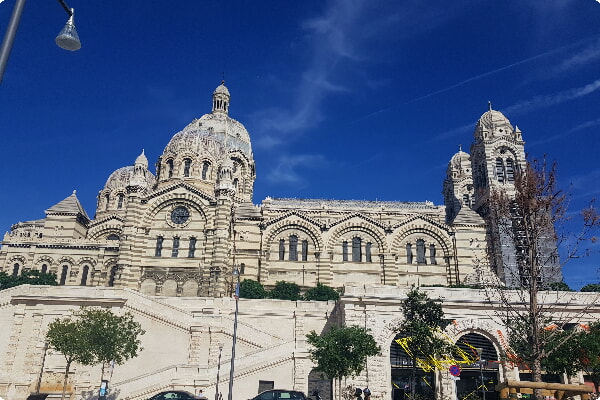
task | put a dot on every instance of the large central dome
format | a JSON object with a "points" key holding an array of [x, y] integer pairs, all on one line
{"points": [[197, 153]]}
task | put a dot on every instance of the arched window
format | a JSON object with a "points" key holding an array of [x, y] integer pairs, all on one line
{"points": [[409, 254], [159, 245], [170, 168], [84, 275], [368, 252], [111, 278], [293, 248], [205, 166], [107, 201], [421, 252], [466, 200], [356, 249], [120, 203], [432, 259], [510, 170], [304, 250], [63, 275], [175, 250], [192, 248], [500, 170], [344, 251], [44, 268], [235, 184], [187, 163], [15, 269], [281, 249]]}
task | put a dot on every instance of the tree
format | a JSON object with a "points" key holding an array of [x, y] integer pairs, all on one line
{"points": [[251, 289], [559, 286], [342, 352], [27, 277], [423, 321], [531, 217], [94, 336], [580, 353], [591, 287], [285, 291], [321, 293]]}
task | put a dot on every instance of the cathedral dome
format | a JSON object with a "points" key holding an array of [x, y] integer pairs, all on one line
{"points": [[221, 89], [141, 160], [492, 118], [124, 177]]}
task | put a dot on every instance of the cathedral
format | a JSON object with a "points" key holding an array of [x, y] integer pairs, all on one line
{"points": [[168, 246], [181, 230]]}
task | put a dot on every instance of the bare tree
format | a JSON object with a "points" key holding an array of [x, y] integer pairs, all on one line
{"points": [[527, 216]]}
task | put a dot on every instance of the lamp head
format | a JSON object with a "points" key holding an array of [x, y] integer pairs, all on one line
{"points": [[68, 38]]}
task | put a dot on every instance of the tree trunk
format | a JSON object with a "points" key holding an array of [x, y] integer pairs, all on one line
{"points": [[64, 389]]}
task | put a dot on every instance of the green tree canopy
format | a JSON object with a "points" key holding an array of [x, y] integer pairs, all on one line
{"points": [[423, 319], [251, 289], [577, 351], [285, 291], [591, 287], [559, 286], [92, 336], [342, 352], [321, 293], [27, 277]]}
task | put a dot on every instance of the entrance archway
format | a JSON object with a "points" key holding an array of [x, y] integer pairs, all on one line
{"points": [[479, 379], [402, 369]]}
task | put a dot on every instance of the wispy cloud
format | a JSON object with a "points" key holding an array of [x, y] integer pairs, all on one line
{"points": [[581, 58], [552, 99], [286, 169], [342, 38]]}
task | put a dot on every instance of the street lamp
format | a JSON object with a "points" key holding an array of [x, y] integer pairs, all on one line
{"points": [[480, 362], [66, 39], [236, 272], [218, 372]]}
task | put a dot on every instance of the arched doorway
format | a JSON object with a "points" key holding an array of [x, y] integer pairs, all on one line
{"points": [[402, 370], [478, 379]]}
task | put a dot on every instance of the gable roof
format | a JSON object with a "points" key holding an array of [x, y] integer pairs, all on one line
{"points": [[68, 206]]}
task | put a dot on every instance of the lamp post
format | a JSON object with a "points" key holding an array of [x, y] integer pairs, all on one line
{"points": [[235, 272], [218, 372], [66, 39], [480, 362]]}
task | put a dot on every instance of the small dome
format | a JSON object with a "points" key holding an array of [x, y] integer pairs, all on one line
{"points": [[459, 165], [122, 178], [141, 160], [221, 89], [460, 159]]}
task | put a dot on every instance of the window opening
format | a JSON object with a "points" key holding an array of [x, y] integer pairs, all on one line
{"points": [[175, 250], [63, 275], [205, 165], [432, 254], [368, 252], [344, 251], [44, 269], [409, 254], [304, 250], [281, 249], [421, 252], [120, 203], [84, 275], [111, 279], [107, 199], [356, 249], [192, 248], [187, 163], [510, 170], [500, 170], [159, 245], [170, 166], [293, 248], [15, 269]]}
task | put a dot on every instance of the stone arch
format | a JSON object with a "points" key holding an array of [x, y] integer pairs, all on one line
{"points": [[294, 223], [148, 287], [16, 259], [43, 260], [424, 228], [169, 288], [358, 225], [189, 288], [87, 260], [169, 199]]}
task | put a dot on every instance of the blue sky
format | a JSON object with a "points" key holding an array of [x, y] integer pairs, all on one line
{"points": [[343, 99]]}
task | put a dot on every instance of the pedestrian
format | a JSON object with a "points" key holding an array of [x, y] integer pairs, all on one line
{"points": [[201, 395]]}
